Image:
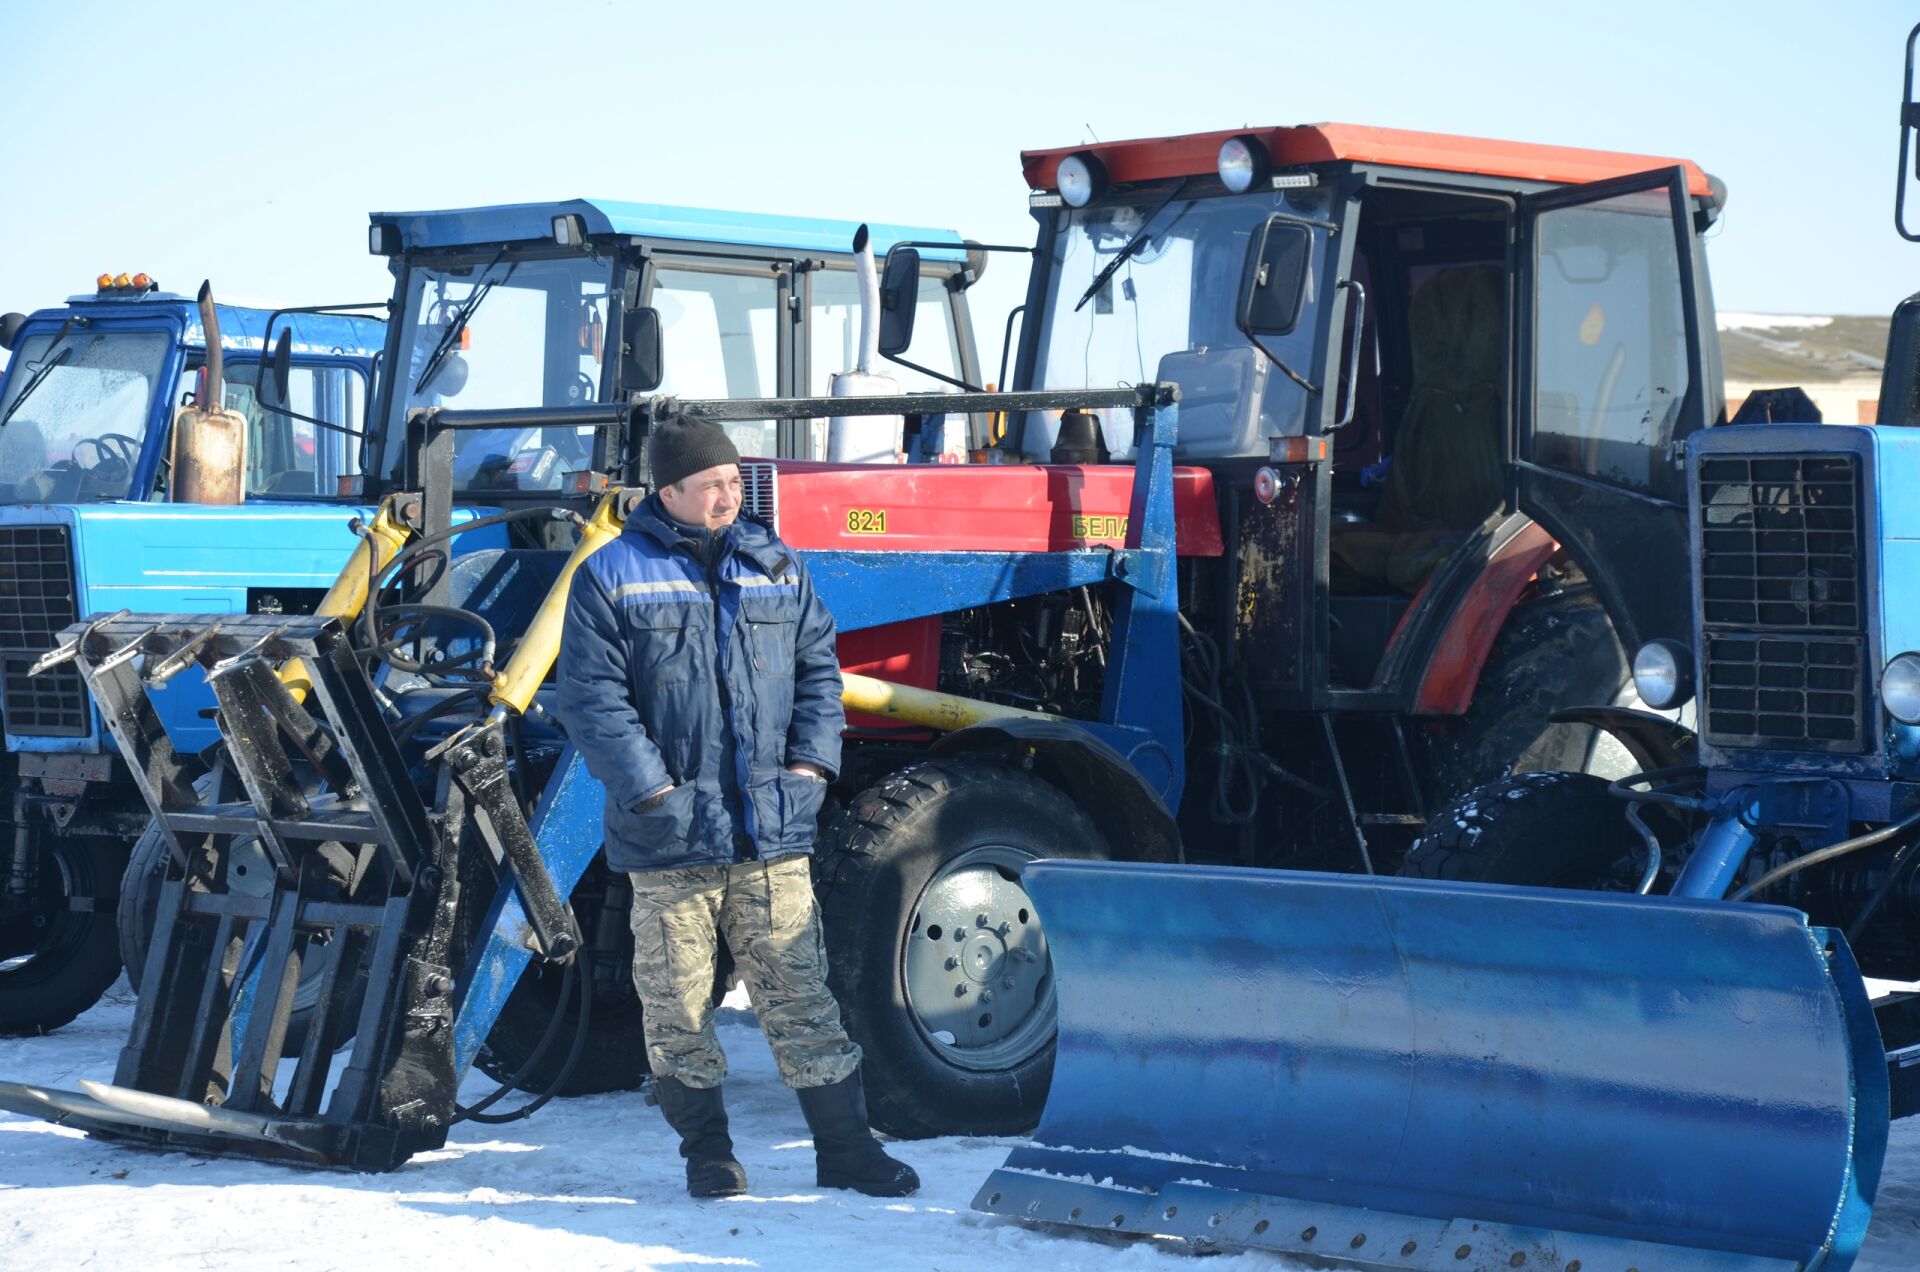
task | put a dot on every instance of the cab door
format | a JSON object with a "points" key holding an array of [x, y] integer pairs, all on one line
{"points": [[1612, 379]]}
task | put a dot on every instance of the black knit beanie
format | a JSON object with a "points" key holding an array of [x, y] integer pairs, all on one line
{"points": [[681, 447]]}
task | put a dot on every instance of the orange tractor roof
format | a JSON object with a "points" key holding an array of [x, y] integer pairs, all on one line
{"points": [[1196, 154]]}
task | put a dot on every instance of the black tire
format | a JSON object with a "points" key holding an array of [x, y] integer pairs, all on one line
{"points": [[873, 871], [615, 1055], [58, 958], [1554, 651], [1547, 830], [140, 884]]}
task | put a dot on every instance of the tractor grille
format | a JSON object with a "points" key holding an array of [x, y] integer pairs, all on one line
{"points": [[1782, 602], [759, 485], [36, 602]]}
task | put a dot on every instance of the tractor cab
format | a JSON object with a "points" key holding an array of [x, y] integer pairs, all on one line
{"points": [[1413, 355], [554, 304], [88, 398]]}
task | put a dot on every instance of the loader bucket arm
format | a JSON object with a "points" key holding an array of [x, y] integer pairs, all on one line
{"points": [[1421, 1075]]}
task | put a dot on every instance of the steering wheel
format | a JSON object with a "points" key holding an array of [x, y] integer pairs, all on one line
{"points": [[126, 449]]}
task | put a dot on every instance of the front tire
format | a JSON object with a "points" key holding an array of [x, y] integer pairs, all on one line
{"points": [[934, 951], [1546, 830], [139, 911], [59, 953]]}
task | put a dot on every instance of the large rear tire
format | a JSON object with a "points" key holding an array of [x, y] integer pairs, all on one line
{"points": [[1554, 651], [934, 950], [58, 954], [1547, 830]]}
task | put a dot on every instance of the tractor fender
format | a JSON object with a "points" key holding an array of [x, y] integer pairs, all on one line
{"points": [[1653, 741], [1128, 811], [1452, 673]]}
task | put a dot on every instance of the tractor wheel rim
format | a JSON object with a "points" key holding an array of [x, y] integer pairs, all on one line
{"points": [[975, 966]]}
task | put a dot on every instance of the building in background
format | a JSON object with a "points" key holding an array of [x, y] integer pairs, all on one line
{"points": [[1835, 359]]}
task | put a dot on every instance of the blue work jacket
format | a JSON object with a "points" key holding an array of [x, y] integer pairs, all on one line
{"points": [[711, 668]]}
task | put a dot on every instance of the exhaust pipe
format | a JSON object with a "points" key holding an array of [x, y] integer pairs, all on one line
{"points": [[207, 462], [865, 439]]}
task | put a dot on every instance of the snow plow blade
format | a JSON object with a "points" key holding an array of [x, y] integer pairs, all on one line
{"points": [[1408, 1074]]}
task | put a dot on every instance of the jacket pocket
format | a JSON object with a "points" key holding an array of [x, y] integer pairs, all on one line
{"points": [[801, 797], [663, 639], [771, 623], [663, 832]]}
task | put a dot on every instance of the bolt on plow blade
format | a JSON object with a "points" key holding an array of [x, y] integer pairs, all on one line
{"points": [[1408, 1074]]}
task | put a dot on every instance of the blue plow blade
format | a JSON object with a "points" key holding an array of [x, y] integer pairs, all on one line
{"points": [[1407, 1074]]}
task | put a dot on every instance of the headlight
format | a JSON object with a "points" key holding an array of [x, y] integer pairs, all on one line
{"points": [[1243, 162], [1081, 178], [1900, 688], [570, 230], [1663, 674]]}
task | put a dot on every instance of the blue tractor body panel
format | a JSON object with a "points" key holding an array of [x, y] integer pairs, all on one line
{"points": [[519, 222], [189, 558]]}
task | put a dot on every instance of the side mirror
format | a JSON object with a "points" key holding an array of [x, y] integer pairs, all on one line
{"points": [[1274, 283], [642, 364], [280, 368], [10, 325], [899, 300]]}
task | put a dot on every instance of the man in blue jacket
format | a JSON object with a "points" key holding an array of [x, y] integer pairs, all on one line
{"points": [[698, 679]]}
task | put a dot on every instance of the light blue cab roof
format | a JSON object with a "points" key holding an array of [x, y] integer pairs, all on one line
{"points": [[510, 222]]}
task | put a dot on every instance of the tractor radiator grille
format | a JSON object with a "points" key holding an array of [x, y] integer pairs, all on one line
{"points": [[36, 602], [1782, 602], [759, 487]]}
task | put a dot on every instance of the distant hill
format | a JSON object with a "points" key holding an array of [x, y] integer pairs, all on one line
{"points": [[1801, 348]]}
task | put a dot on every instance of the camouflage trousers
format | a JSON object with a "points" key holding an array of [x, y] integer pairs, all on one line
{"points": [[766, 912]]}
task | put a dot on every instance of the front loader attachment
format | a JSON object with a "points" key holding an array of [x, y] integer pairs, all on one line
{"points": [[358, 865], [1422, 1075]]}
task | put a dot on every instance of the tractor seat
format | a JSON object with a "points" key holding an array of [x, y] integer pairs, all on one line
{"points": [[1448, 469]]}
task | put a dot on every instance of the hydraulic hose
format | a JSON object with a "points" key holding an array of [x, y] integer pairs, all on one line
{"points": [[569, 979]]}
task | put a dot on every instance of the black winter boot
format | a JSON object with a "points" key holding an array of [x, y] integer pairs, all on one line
{"points": [[845, 1153], [701, 1118]]}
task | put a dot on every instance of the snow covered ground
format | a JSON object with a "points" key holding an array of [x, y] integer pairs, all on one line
{"points": [[589, 1183]]}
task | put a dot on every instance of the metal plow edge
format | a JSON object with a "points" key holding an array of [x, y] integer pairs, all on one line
{"points": [[1412, 1075]]}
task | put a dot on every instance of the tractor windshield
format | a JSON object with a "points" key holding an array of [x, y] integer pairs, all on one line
{"points": [[76, 405], [503, 331], [1167, 313]]}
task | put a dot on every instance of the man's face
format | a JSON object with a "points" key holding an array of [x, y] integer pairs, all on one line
{"points": [[710, 497]]}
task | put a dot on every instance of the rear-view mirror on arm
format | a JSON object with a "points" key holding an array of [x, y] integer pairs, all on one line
{"points": [[1274, 282]]}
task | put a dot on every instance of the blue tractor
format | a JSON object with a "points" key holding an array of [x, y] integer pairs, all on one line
{"points": [[87, 403], [577, 305]]}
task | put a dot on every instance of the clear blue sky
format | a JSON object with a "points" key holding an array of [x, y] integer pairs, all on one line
{"points": [[246, 143]]}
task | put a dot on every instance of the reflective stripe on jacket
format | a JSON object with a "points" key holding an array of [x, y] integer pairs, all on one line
{"points": [[712, 676]]}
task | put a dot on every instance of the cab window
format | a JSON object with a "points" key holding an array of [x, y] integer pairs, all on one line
{"points": [[288, 457], [719, 340], [834, 338], [1610, 350]]}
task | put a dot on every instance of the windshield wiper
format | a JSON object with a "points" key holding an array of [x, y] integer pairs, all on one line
{"points": [[1125, 254], [46, 369], [459, 323]]}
